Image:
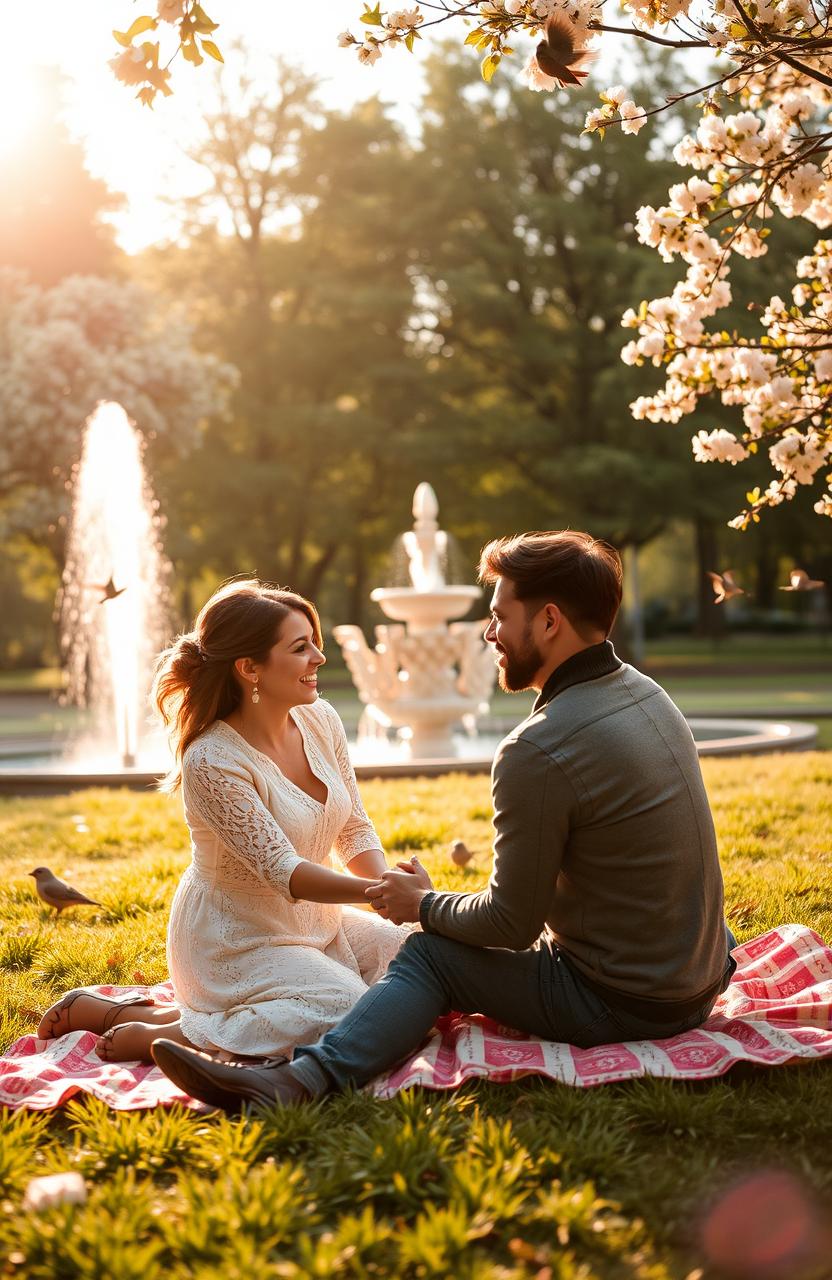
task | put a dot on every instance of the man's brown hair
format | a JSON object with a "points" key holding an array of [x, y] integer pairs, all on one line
{"points": [[573, 570]]}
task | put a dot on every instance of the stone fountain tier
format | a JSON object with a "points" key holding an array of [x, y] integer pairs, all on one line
{"points": [[429, 671], [424, 682], [425, 611]]}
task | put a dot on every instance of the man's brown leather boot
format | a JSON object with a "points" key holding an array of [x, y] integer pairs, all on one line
{"points": [[228, 1085]]}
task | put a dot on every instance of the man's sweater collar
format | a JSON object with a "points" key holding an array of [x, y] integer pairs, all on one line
{"points": [[590, 664]]}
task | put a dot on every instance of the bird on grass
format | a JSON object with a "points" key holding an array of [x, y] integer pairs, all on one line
{"points": [[109, 588], [725, 586], [460, 853], [57, 893], [558, 54], [799, 580]]}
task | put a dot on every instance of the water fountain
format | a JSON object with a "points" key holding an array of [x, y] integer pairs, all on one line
{"points": [[111, 608], [428, 672]]}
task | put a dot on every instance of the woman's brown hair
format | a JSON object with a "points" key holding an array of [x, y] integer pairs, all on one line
{"points": [[194, 682], [578, 573]]}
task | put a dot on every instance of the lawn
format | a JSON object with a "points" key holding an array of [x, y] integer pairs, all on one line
{"points": [[530, 1179]]}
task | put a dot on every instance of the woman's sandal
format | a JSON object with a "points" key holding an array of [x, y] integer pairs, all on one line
{"points": [[53, 1016]]}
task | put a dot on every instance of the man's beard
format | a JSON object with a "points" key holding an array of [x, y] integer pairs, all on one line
{"points": [[522, 665]]}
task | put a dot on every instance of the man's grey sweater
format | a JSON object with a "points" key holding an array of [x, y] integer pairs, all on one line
{"points": [[603, 836]]}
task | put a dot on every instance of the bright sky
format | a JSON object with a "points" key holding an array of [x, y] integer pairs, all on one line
{"points": [[140, 152]]}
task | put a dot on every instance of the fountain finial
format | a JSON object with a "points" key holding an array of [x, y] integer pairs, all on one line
{"points": [[425, 507], [426, 545]]}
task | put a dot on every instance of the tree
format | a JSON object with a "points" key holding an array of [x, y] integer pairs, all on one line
{"points": [[64, 349], [310, 298], [51, 213], [763, 143], [525, 267]]}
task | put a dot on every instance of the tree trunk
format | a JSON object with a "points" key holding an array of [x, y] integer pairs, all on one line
{"points": [[764, 570], [710, 621], [357, 599], [313, 577]]}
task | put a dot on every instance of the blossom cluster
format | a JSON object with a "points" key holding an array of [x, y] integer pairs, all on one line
{"points": [[762, 146], [398, 26], [617, 108], [754, 161], [497, 21]]}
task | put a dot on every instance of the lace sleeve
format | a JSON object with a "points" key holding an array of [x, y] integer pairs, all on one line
{"points": [[224, 798], [358, 833]]}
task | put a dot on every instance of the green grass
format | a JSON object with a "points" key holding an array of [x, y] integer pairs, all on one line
{"points": [[525, 1180], [739, 649]]}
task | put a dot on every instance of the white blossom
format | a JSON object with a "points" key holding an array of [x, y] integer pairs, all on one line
{"points": [[369, 53], [632, 117], [718, 446]]}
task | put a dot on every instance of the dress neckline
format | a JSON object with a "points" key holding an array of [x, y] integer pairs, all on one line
{"points": [[298, 721]]}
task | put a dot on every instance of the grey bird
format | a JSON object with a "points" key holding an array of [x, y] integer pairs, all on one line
{"points": [[57, 893], [460, 853]]}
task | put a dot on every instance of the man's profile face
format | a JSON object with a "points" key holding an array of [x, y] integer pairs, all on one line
{"points": [[510, 632]]}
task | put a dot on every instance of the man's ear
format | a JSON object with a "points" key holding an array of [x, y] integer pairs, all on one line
{"points": [[552, 619]]}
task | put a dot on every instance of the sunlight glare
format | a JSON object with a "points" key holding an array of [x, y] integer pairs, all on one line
{"points": [[20, 106]]}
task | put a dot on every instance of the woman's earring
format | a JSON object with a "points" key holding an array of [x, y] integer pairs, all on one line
{"points": [[255, 693]]}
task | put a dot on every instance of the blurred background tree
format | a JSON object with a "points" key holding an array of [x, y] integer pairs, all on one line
{"points": [[396, 308], [53, 213]]}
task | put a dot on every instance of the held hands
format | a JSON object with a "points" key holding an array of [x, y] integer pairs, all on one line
{"points": [[398, 895]]}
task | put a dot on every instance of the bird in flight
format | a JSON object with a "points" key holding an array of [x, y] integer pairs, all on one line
{"points": [[109, 588], [725, 586], [799, 580], [557, 53]]}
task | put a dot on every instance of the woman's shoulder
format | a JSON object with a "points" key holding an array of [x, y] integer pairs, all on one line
{"points": [[217, 747]]}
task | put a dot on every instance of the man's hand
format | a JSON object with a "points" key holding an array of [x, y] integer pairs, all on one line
{"points": [[399, 894]]}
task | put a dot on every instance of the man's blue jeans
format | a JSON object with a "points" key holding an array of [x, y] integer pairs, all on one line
{"points": [[536, 991]]}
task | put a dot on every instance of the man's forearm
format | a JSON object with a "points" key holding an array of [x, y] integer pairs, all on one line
{"points": [[531, 820], [479, 920]]}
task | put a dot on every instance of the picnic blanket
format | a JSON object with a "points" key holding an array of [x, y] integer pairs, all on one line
{"points": [[777, 1009]]}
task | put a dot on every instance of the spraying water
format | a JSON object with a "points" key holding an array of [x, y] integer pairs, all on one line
{"points": [[112, 608]]}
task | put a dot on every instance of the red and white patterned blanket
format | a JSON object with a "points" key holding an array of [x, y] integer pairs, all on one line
{"points": [[778, 1009]]}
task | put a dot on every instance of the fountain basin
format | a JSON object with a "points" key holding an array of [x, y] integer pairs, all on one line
{"points": [[425, 611], [40, 773]]}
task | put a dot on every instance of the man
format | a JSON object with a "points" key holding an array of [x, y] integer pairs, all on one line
{"points": [[602, 920]]}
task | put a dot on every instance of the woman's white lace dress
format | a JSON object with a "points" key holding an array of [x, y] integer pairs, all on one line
{"points": [[254, 970]]}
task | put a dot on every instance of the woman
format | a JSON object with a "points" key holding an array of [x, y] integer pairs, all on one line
{"points": [[262, 953]]}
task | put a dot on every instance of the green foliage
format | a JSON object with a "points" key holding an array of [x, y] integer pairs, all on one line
{"points": [[492, 1182], [20, 951], [22, 1134]]}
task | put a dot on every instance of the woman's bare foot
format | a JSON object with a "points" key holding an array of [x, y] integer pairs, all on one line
{"points": [[85, 1011], [131, 1041]]}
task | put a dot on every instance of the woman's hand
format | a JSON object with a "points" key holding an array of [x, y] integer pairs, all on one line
{"points": [[415, 868], [399, 895]]}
